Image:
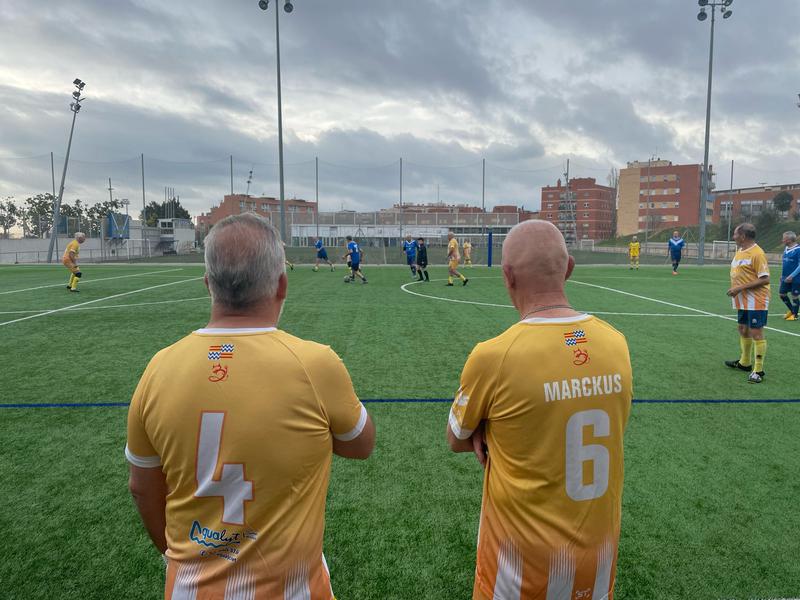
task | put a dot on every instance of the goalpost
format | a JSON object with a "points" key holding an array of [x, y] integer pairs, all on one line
{"points": [[723, 249], [587, 245]]}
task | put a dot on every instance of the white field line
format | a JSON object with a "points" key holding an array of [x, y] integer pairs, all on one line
{"points": [[41, 287], [689, 308], [30, 312], [75, 306]]}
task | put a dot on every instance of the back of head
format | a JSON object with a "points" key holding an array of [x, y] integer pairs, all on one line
{"points": [[537, 255], [748, 230], [244, 259]]}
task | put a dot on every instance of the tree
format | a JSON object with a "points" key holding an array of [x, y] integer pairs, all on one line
{"points": [[9, 214], [36, 216], [782, 202], [767, 218], [97, 212], [159, 210]]}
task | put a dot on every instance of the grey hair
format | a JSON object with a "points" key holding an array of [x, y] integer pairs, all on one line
{"points": [[79, 234], [791, 235], [244, 260]]}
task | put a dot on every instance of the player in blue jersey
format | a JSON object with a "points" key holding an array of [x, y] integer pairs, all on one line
{"points": [[676, 244], [354, 258], [410, 248], [322, 254], [790, 275]]}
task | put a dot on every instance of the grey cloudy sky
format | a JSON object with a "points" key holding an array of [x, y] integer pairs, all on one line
{"points": [[524, 84]]}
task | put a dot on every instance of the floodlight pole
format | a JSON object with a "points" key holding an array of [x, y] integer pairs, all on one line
{"points": [[280, 128], [74, 107], [705, 181]]}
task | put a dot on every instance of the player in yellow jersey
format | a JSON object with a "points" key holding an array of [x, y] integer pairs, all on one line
{"points": [[231, 432], [70, 260], [453, 259], [633, 253], [544, 406], [286, 260], [467, 247], [749, 293]]}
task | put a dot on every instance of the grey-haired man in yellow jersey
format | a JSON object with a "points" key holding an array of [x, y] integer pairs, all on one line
{"points": [[70, 260], [231, 432], [544, 406]]}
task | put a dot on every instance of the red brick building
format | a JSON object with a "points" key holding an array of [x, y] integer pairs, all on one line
{"points": [[594, 207], [744, 203], [234, 204]]}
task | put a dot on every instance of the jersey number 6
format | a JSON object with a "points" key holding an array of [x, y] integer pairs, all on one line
{"points": [[234, 489], [578, 453]]}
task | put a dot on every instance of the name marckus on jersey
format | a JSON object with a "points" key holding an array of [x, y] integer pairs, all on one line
{"points": [[582, 387]]}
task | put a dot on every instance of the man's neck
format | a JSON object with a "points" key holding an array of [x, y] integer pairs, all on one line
{"points": [[748, 244], [545, 305], [259, 317]]}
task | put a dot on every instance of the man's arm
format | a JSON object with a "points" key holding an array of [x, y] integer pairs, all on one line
{"points": [[360, 447], [474, 443], [149, 490], [760, 282]]}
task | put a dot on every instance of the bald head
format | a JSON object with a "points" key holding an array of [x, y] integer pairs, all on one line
{"points": [[535, 258]]}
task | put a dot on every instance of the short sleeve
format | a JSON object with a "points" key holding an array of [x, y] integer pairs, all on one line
{"points": [[473, 399], [347, 417], [139, 450], [760, 264]]}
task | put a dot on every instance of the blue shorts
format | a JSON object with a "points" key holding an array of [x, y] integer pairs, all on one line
{"points": [[355, 266], [793, 287], [676, 257], [323, 254], [754, 319], [410, 260]]}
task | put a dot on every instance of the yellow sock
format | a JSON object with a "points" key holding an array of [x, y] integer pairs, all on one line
{"points": [[746, 359], [461, 277], [450, 279], [74, 284], [69, 283], [761, 350]]}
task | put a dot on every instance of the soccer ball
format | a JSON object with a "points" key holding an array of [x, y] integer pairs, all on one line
{"points": [[347, 279], [316, 269]]}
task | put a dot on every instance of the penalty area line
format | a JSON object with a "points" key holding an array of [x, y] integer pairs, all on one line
{"points": [[75, 306]]}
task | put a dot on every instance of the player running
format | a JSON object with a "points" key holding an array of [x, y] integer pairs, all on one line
{"points": [[322, 254], [550, 399], [633, 253], [422, 259], [452, 260], [410, 248], [790, 275], [676, 244], [749, 293], [353, 257], [70, 260], [467, 247]]}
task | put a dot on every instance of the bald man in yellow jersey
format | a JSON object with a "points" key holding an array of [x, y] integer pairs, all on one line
{"points": [[544, 406], [231, 432], [70, 260], [749, 293], [453, 259]]}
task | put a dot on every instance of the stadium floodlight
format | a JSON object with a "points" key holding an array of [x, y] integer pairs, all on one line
{"points": [[705, 179], [288, 7], [75, 107]]}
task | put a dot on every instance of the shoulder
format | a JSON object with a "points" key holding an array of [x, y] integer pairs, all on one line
{"points": [[307, 352], [609, 329]]}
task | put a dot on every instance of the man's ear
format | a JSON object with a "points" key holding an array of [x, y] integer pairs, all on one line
{"points": [[570, 267], [508, 276], [283, 286], [205, 280]]}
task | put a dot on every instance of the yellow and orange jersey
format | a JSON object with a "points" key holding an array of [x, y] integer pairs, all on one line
{"points": [[452, 250], [554, 396], [633, 248], [241, 422], [73, 246], [467, 248], [746, 266]]}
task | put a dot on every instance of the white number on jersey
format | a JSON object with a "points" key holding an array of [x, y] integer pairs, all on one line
{"points": [[578, 453], [234, 489]]}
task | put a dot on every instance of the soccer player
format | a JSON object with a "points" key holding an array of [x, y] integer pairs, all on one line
{"points": [[544, 407], [789, 275], [676, 244], [70, 260], [322, 254], [467, 246], [452, 260], [410, 248], [749, 293], [353, 257], [231, 432], [633, 253], [422, 259], [286, 260]]}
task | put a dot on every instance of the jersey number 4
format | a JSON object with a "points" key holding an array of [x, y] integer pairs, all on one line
{"points": [[578, 453], [232, 487]]}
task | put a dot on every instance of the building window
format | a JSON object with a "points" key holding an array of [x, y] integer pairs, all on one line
{"points": [[585, 205], [551, 195], [549, 215], [641, 204], [664, 205], [677, 204], [241, 205], [585, 194], [550, 204], [585, 215], [585, 224]]}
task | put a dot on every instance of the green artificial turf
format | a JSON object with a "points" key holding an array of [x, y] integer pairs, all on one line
{"points": [[709, 508]]}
